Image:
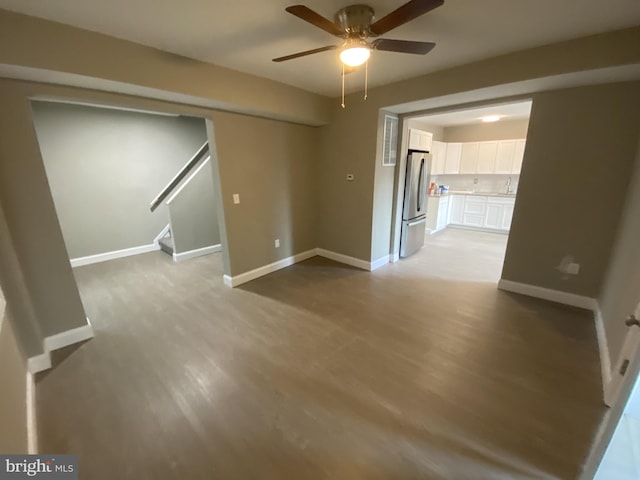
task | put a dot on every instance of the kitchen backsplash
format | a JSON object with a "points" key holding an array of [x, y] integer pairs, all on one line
{"points": [[485, 183]]}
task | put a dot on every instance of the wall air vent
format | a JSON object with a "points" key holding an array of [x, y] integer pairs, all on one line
{"points": [[390, 145]]}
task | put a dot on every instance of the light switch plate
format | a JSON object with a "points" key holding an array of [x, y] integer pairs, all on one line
{"points": [[236, 198]]}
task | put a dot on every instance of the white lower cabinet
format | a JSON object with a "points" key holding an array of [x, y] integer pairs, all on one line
{"points": [[493, 218], [443, 213], [507, 215], [456, 209], [437, 213], [479, 211]]}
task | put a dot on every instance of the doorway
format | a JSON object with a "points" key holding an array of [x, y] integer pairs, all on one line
{"points": [[128, 182], [475, 162]]}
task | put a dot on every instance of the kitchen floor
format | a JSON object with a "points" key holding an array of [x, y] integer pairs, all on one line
{"points": [[323, 371], [458, 254]]}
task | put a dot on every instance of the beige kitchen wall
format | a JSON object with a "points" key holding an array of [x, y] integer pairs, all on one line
{"points": [[480, 132], [578, 160]]}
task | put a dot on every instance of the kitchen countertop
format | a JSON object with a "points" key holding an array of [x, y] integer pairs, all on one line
{"points": [[481, 194]]}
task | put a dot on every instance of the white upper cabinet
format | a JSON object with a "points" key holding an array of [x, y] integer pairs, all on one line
{"points": [[469, 157], [518, 156], [487, 157], [497, 156], [452, 157], [438, 153], [505, 156], [419, 140]]}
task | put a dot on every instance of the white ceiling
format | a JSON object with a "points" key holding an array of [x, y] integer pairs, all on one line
{"points": [[246, 34], [510, 111]]}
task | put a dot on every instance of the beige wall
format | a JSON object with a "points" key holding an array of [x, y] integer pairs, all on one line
{"points": [[480, 132], [621, 292], [32, 42], [13, 378], [32, 222], [579, 157], [272, 165], [349, 145]]}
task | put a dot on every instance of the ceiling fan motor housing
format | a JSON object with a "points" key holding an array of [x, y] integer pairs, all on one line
{"points": [[356, 20]]}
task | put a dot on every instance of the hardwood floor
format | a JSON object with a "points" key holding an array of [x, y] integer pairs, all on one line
{"points": [[419, 370]]}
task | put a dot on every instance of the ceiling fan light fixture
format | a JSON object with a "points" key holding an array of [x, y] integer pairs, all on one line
{"points": [[355, 52]]}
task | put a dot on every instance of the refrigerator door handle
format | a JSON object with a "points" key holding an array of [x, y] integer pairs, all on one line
{"points": [[418, 222], [420, 187]]}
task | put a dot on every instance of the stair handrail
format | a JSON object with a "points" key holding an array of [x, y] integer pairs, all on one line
{"points": [[184, 171]]}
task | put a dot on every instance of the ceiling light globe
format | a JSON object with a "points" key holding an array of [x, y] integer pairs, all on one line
{"points": [[355, 56]]}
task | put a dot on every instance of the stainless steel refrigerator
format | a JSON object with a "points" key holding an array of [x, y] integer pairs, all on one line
{"points": [[414, 208]]}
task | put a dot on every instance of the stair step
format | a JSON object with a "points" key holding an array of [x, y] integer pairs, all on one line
{"points": [[166, 245]]}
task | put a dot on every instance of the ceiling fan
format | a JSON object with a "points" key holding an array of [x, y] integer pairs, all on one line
{"points": [[355, 24]]}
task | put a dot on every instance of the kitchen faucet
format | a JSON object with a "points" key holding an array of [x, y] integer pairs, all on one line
{"points": [[509, 189]]}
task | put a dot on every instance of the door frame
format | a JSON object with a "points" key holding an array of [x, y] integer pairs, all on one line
{"points": [[617, 393]]}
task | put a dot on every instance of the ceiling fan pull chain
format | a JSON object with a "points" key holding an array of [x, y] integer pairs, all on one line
{"points": [[343, 86], [366, 79]]}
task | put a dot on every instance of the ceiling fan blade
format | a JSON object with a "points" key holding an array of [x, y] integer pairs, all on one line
{"points": [[308, 15], [305, 53], [404, 14], [402, 46]]}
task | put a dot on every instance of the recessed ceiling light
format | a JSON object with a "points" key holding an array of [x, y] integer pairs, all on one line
{"points": [[491, 118]]}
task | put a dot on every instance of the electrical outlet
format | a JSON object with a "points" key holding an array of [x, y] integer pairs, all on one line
{"points": [[573, 268], [236, 198], [277, 243]]}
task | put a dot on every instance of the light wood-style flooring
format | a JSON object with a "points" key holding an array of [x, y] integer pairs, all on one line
{"points": [[419, 370]]}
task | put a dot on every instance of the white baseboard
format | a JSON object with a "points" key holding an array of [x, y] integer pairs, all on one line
{"points": [[394, 257], [32, 431], [347, 260], [557, 296], [60, 340], [286, 262], [435, 230], [103, 257], [198, 252], [476, 229], [375, 264], [603, 349], [266, 269]]}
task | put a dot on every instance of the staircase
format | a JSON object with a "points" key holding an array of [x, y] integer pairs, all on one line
{"points": [[190, 205], [166, 244]]}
